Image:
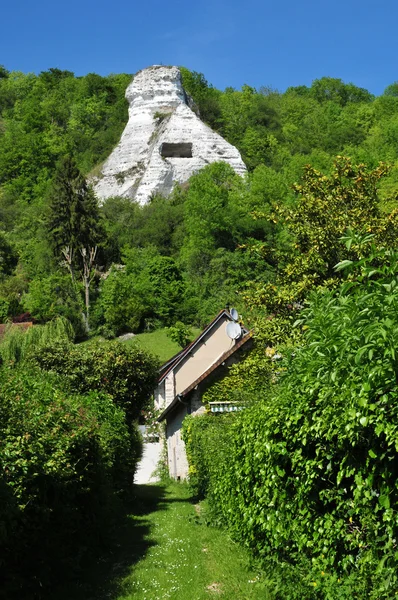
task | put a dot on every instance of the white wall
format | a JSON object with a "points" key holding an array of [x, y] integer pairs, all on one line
{"points": [[207, 352]]}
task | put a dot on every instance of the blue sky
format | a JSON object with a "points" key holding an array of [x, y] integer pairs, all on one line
{"points": [[276, 44]]}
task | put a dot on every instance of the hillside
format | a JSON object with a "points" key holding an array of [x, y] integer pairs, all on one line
{"points": [[186, 256]]}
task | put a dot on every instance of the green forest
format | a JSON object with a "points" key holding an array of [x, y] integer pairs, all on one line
{"points": [[304, 246]]}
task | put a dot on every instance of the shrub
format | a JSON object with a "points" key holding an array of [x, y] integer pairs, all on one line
{"points": [[309, 481], [52, 297], [61, 456], [18, 344], [119, 308], [127, 373], [4, 310], [180, 333], [206, 439]]}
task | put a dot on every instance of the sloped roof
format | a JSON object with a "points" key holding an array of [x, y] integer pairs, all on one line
{"points": [[205, 374], [179, 357]]}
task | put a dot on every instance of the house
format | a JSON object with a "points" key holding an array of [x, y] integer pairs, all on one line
{"points": [[185, 377]]}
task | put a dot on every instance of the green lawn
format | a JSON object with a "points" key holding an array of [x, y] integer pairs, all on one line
{"points": [[159, 343], [188, 560], [165, 550]]}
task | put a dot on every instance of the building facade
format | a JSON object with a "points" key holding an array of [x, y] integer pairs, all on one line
{"points": [[186, 376]]}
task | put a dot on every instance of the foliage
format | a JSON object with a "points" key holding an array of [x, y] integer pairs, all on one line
{"points": [[326, 207], [8, 256], [206, 438], [4, 310], [73, 220], [126, 373], [61, 455], [18, 345], [309, 474], [147, 287], [180, 333], [245, 378], [218, 230], [54, 296], [332, 89], [204, 95], [119, 308]]}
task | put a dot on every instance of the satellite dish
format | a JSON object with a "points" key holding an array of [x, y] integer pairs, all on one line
{"points": [[234, 314], [234, 330]]}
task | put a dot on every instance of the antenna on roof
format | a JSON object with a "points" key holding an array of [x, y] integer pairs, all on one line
{"points": [[234, 314], [234, 330]]}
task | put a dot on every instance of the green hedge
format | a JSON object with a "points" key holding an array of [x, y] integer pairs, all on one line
{"points": [[69, 445], [207, 441], [61, 458], [127, 373], [308, 477]]}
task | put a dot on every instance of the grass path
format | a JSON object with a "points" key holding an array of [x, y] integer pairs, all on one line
{"points": [[186, 559], [164, 550]]}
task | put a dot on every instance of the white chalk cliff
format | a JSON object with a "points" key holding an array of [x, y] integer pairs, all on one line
{"points": [[164, 141]]}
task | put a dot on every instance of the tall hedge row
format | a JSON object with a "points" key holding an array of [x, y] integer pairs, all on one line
{"points": [[127, 373], [69, 446], [309, 477]]}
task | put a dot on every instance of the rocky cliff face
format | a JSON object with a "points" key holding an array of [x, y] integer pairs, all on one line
{"points": [[164, 141]]}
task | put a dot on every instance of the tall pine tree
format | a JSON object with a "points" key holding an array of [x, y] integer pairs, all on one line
{"points": [[74, 219]]}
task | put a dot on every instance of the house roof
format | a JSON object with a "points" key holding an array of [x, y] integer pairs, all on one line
{"points": [[179, 357], [204, 375]]}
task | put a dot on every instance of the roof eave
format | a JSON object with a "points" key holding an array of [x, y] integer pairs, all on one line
{"points": [[172, 362], [203, 377]]}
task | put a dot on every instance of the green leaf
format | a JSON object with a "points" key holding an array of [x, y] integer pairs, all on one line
{"points": [[363, 421], [343, 265], [384, 501]]}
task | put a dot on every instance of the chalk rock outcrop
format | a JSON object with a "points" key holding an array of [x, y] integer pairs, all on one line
{"points": [[164, 141]]}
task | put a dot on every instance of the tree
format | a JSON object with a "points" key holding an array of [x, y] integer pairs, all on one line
{"points": [[74, 219], [205, 96], [75, 226], [8, 256], [326, 207], [333, 89], [391, 90], [4, 73]]}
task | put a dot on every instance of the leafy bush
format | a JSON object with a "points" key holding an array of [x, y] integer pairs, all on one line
{"points": [[18, 344], [4, 310], [119, 307], [61, 456], [207, 444], [126, 373], [148, 286], [180, 333], [309, 480], [54, 296]]}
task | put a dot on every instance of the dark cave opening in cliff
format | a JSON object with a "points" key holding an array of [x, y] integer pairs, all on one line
{"points": [[178, 150]]}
